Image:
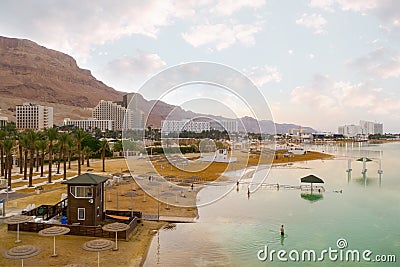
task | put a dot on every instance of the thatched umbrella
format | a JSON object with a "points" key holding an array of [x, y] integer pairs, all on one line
{"points": [[98, 245], [17, 219], [54, 231], [22, 252], [116, 227]]}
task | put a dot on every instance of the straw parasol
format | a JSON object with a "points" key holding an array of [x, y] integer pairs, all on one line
{"points": [[22, 252], [17, 219], [116, 227], [98, 245], [54, 231]]}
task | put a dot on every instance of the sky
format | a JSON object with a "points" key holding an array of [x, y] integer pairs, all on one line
{"points": [[317, 63]]}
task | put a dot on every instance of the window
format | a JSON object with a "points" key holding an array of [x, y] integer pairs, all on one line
{"points": [[81, 214], [82, 191]]}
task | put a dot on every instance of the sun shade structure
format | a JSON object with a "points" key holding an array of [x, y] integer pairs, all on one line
{"points": [[22, 252], [312, 179], [116, 227], [98, 245], [366, 159], [17, 219], [54, 231]]}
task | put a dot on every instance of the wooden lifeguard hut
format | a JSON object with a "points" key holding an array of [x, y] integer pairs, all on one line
{"points": [[86, 199]]}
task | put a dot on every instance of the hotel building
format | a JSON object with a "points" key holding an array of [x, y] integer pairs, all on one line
{"points": [[91, 124], [108, 110], [33, 116]]}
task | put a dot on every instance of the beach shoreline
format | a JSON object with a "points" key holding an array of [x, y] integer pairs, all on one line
{"points": [[141, 240]]}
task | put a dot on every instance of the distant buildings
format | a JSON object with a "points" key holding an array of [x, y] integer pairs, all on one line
{"points": [[3, 121], [225, 125], [33, 116], [365, 129], [130, 102], [174, 126], [108, 110], [90, 124]]}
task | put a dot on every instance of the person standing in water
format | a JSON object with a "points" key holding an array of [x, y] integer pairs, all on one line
{"points": [[282, 230]]}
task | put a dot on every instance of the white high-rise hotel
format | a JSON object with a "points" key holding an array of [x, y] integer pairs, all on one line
{"points": [[32, 116], [108, 110], [364, 129]]}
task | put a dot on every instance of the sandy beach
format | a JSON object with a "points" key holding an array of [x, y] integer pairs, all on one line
{"points": [[132, 252]]}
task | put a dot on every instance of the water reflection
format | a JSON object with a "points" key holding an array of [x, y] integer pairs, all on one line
{"points": [[312, 197]]}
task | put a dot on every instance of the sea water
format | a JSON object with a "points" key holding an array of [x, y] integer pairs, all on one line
{"points": [[358, 227]]}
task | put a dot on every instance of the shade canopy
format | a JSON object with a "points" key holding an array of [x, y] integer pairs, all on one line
{"points": [[22, 252], [366, 159], [17, 219], [54, 231], [115, 227], [98, 245], [311, 179]]}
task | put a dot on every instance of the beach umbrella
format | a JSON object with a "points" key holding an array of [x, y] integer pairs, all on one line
{"points": [[54, 231], [116, 227], [22, 252], [17, 219], [312, 179], [98, 245], [311, 197]]}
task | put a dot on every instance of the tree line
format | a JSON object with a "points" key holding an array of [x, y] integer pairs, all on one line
{"points": [[32, 149]]}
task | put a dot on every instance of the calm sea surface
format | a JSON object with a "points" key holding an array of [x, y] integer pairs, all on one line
{"points": [[232, 231]]}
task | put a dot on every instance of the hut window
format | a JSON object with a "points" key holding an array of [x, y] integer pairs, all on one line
{"points": [[81, 191], [81, 213]]}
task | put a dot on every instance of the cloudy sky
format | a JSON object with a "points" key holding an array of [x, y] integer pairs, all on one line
{"points": [[319, 63]]}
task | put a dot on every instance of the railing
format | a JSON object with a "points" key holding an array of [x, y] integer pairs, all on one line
{"points": [[47, 212], [81, 230]]}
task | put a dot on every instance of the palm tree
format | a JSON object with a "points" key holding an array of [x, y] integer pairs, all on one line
{"points": [[8, 146], [87, 152], [79, 136], [51, 137], [63, 140], [41, 146], [24, 142], [20, 154], [71, 146], [103, 148], [33, 138]]}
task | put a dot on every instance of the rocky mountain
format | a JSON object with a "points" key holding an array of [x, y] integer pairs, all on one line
{"points": [[33, 73]]}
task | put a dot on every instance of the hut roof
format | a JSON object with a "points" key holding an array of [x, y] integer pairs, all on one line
{"points": [[87, 179]]}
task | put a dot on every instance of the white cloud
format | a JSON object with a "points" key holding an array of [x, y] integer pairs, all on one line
{"points": [[353, 5], [263, 75], [228, 7], [381, 62], [222, 36], [77, 27], [313, 21], [129, 72], [341, 99], [290, 52]]}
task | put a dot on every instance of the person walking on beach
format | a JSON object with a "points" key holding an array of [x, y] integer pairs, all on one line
{"points": [[282, 230]]}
